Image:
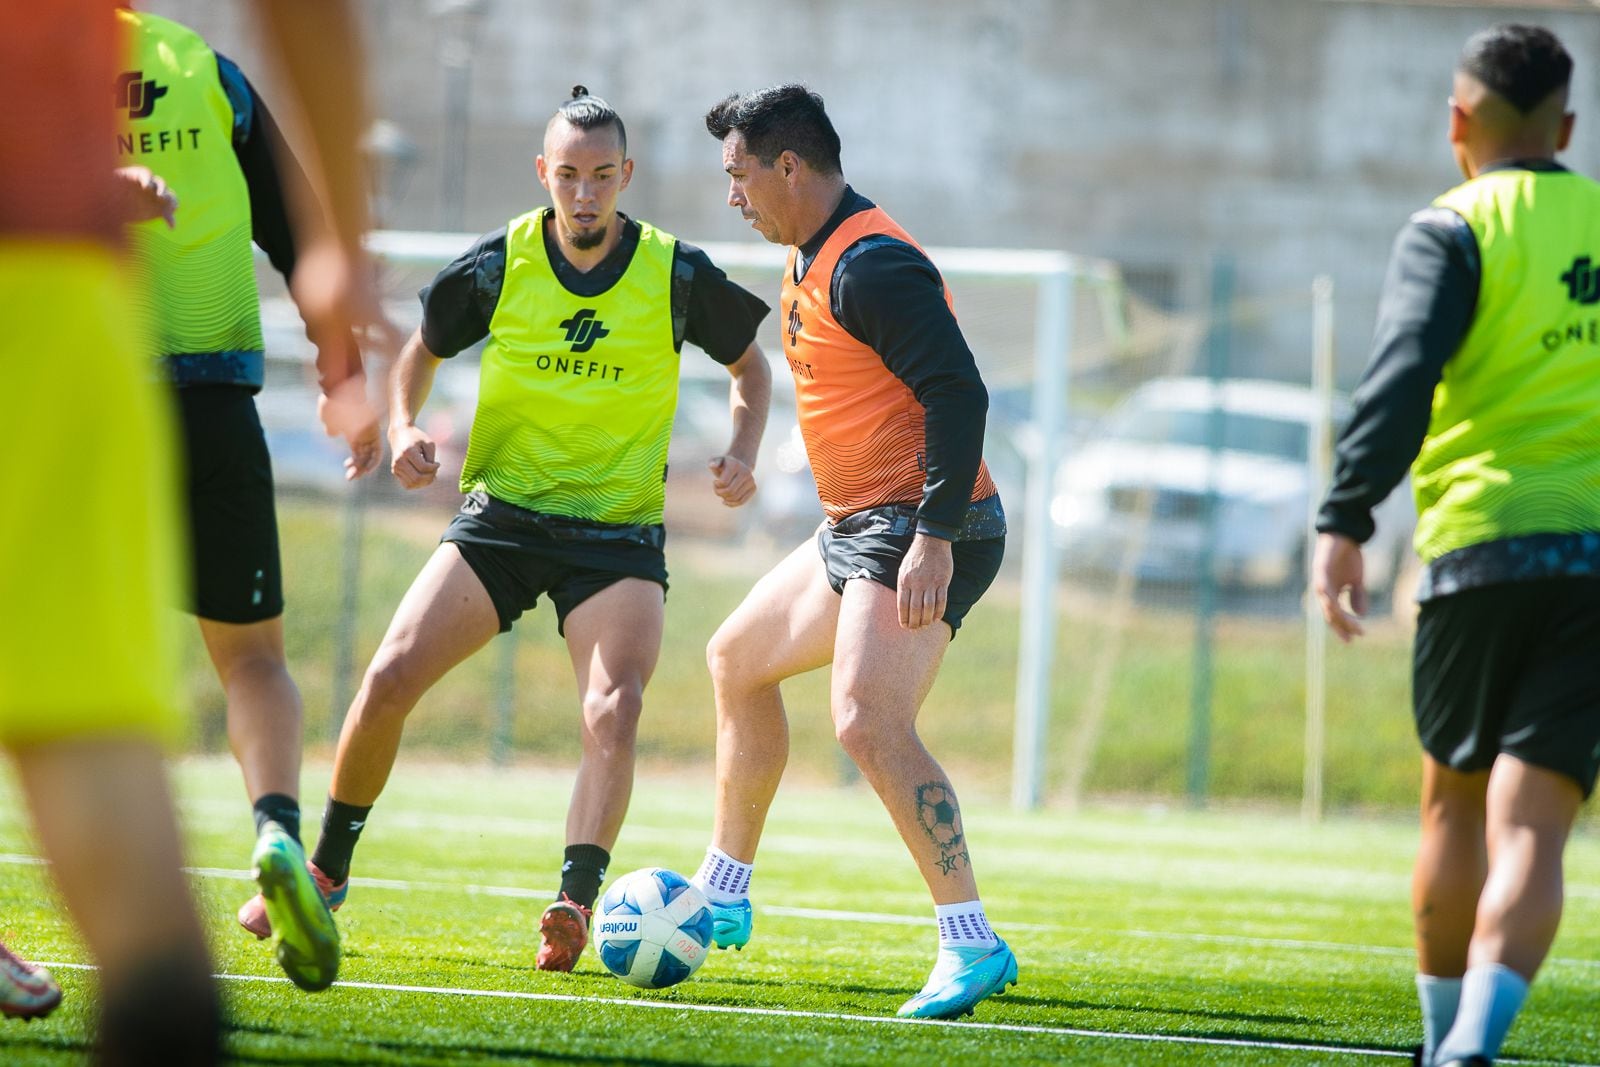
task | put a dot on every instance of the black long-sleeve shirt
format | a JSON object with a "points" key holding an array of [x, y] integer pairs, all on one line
{"points": [[1429, 297], [890, 297], [266, 165]]}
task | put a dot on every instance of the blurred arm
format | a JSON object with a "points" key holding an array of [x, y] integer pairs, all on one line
{"points": [[334, 284], [318, 46], [275, 178]]}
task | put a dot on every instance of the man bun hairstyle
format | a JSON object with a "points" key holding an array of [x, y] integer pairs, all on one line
{"points": [[783, 118], [1522, 64], [588, 112]]}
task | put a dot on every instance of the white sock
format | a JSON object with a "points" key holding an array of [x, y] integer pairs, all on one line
{"points": [[1491, 996], [1439, 998], [722, 878], [964, 925]]}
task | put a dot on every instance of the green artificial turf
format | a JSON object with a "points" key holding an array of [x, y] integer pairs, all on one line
{"points": [[1231, 926]]}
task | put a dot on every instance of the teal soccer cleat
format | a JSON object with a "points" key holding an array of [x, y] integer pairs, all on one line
{"points": [[961, 978], [730, 923], [308, 940]]}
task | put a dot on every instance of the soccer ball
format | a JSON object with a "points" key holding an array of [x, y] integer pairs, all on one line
{"points": [[652, 928]]}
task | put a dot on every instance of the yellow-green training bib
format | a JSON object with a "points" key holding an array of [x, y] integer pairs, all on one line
{"points": [[576, 393]]}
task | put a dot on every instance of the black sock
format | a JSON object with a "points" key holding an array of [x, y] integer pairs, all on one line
{"points": [[582, 871], [281, 809], [341, 829]]}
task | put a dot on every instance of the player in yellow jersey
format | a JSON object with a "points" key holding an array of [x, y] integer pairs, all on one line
{"points": [[585, 310], [189, 112], [1486, 372]]}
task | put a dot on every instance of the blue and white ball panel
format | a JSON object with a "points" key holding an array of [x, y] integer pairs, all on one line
{"points": [[652, 928]]}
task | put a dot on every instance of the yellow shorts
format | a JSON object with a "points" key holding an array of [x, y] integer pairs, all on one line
{"points": [[89, 533]]}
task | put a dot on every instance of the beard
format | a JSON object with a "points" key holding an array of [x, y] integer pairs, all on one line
{"points": [[585, 240]]}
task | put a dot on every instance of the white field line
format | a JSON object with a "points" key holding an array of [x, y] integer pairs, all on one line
{"points": [[868, 917], [826, 1016]]}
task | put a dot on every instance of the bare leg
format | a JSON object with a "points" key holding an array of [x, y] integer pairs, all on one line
{"points": [[614, 639], [881, 675], [1451, 865], [445, 617], [265, 723], [105, 821], [784, 627], [1530, 812]]}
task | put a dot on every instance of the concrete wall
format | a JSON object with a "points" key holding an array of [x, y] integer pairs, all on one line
{"points": [[1290, 137]]}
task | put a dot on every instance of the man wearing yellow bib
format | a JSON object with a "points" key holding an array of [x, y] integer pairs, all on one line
{"points": [[1486, 371], [189, 113], [585, 311]]}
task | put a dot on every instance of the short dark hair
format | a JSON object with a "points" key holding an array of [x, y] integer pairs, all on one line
{"points": [[783, 118], [588, 112], [1523, 64]]}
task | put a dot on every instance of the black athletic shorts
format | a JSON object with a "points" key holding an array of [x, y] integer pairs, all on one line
{"points": [[233, 525], [871, 543], [1512, 668], [518, 554]]}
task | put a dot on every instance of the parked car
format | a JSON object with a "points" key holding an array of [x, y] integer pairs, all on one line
{"points": [[1136, 494]]}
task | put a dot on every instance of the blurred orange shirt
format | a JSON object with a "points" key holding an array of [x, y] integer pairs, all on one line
{"points": [[58, 65]]}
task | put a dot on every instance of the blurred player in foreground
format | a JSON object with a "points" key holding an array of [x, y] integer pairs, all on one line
{"points": [[88, 655], [190, 114], [892, 411], [1486, 369], [585, 310]]}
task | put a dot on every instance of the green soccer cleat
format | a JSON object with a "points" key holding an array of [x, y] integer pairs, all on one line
{"points": [[962, 976], [730, 923], [308, 940]]}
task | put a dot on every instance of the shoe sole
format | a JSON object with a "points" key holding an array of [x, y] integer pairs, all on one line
{"points": [[308, 940], [36, 1011]]}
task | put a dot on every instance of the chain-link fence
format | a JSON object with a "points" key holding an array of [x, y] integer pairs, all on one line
{"points": [[1176, 446]]}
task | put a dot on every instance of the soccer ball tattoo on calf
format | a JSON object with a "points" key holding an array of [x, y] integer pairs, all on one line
{"points": [[940, 817]]}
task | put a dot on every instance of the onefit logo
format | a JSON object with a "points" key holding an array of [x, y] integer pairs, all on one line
{"points": [[583, 330], [137, 94], [794, 322], [1583, 281]]}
